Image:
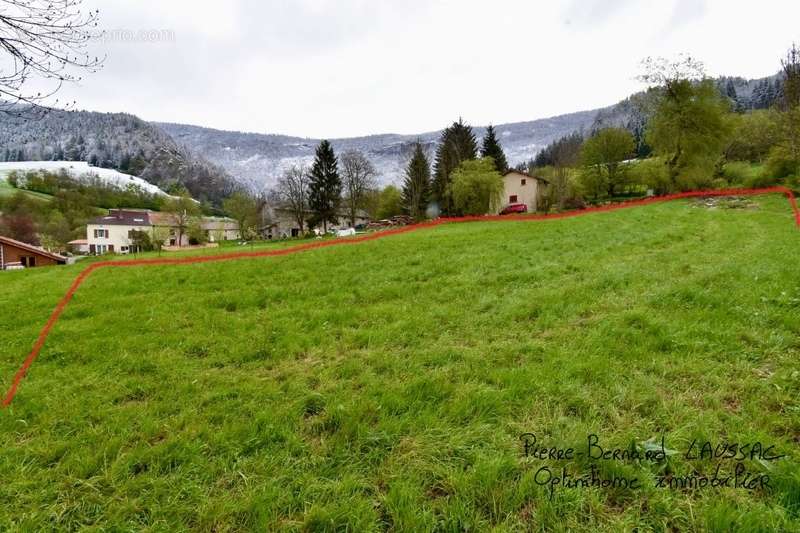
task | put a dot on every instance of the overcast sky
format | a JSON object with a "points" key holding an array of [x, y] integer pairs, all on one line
{"points": [[334, 68]]}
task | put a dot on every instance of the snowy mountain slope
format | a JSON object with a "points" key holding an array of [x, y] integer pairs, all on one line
{"points": [[80, 169], [259, 159], [116, 141], [212, 163]]}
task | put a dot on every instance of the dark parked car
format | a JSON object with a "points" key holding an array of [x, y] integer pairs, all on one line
{"points": [[514, 208]]}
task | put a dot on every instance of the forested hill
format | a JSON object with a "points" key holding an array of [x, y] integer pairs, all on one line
{"points": [[261, 159], [113, 140], [211, 163]]}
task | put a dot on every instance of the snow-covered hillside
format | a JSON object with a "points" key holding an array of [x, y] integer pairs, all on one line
{"points": [[112, 140], [259, 159], [79, 169]]}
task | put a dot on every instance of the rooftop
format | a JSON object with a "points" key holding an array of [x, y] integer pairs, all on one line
{"points": [[124, 217], [145, 217], [31, 248], [521, 173]]}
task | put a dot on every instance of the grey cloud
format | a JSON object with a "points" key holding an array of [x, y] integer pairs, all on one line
{"points": [[582, 13], [686, 11]]}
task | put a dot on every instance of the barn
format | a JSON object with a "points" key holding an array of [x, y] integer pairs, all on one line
{"points": [[15, 254]]}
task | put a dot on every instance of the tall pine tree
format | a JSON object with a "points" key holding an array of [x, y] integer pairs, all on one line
{"points": [[325, 187], [491, 148], [416, 187], [457, 144]]}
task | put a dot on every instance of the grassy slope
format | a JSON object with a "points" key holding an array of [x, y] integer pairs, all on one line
{"points": [[6, 189], [385, 385], [225, 247]]}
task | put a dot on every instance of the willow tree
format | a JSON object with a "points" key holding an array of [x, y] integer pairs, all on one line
{"points": [[602, 158], [477, 187], [690, 126]]}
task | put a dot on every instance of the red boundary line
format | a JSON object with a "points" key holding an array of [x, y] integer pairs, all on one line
{"points": [[37, 347]]}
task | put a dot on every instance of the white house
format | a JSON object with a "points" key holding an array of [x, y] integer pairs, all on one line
{"points": [[115, 232], [522, 188]]}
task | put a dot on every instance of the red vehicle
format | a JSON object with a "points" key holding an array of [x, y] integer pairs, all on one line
{"points": [[514, 208]]}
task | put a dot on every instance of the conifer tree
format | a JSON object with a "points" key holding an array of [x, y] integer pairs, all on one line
{"points": [[491, 148], [789, 89], [730, 89], [457, 144], [325, 187], [416, 186]]}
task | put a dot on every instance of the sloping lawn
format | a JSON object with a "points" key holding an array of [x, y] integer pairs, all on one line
{"points": [[6, 189], [384, 386], [223, 248]]}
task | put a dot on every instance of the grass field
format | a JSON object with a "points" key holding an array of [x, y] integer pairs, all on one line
{"points": [[225, 247], [384, 386], [7, 190]]}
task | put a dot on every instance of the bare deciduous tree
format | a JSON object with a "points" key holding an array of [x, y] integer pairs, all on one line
{"points": [[44, 40], [358, 177], [665, 73], [184, 212], [293, 190], [244, 209]]}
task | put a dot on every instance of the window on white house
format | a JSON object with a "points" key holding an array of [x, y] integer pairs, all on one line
{"points": [[523, 182], [512, 199]]}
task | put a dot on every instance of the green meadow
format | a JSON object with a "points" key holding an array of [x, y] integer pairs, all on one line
{"points": [[385, 386], [6, 189]]}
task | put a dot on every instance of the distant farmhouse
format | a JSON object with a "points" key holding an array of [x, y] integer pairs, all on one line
{"points": [[116, 232], [278, 222], [15, 254], [522, 188]]}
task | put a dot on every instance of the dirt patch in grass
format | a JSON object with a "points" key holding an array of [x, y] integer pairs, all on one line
{"points": [[724, 202]]}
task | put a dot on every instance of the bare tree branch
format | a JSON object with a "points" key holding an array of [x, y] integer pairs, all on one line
{"points": [[45, 41], [664, 73]]}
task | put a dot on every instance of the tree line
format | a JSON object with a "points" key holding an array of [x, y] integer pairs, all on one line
{"points": [[686, 132], [464, 179], [693, 134]]}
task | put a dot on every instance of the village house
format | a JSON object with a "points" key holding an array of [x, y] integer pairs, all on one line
{"points": [[278, 222], [116, 232], [15, 254], [522, 188]]}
